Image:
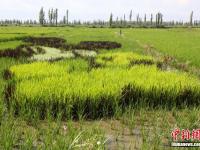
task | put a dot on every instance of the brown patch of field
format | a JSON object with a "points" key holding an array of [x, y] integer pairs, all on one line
{"points": [[46, 41], [61, 43], [140, 62], [20, 51], [7, 74], [94, 45]]}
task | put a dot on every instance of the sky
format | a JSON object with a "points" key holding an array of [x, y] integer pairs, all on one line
{"points": [[100, 9]]}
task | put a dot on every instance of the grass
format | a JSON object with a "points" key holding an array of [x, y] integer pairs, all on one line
{"points": [[180, 43], [151, 130], [10, 44], [20, 134]]}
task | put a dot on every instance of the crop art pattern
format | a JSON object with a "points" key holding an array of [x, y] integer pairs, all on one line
{"points": [[68, 86]]}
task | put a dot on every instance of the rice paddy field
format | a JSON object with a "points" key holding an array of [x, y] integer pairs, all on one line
{"points": [[94, 88]]}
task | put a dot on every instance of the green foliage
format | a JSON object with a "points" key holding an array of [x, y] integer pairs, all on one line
{"points": [[54, 86], [111, 19], [41, 70], [19, 134], [182, 44], [123, 59], [42, 16], [10, 44]]}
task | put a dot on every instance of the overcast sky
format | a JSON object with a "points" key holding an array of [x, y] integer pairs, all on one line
{"points": [[100, 9]]}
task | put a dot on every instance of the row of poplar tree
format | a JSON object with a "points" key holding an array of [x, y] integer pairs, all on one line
{"points": [[154, 21], [51, 19]]}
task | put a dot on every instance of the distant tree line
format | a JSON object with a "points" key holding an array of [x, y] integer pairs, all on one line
{"points": [[18, 22], [152, 20]]}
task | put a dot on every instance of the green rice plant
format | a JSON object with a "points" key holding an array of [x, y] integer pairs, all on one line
{"points": [[10, 44], [41, 70], [9, 133], [98, 92], [187, 118], [123, 59], [37, 70], [178, 42], [74, 65], [5, 64], [19, 134]]}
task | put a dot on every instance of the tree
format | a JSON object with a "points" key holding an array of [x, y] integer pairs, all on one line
{"points": [[145, 18], [121, 21], [191, 18], [130, 16], [159, 19], [64, 20], [42, 16], [138, 18], [67, 15], [156, 19], [151, 19], [50, 16], [111, 19], [56, 16], [124, 20], [117, 19]]}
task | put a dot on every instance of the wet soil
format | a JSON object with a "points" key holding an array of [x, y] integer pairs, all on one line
{"points": [[61, 43], [20, 51]]}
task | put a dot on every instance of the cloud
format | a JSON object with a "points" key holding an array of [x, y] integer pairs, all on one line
{"points": [[95, 9]]}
